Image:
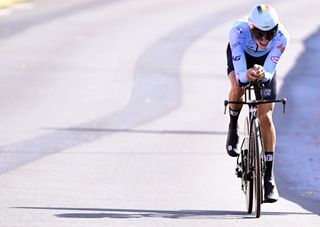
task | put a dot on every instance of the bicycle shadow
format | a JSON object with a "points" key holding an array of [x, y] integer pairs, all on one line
{"points": [[96, 213]]}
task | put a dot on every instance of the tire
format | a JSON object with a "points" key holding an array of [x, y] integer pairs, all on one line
{"points": [[257, 151], [247, 180], [249, 195]]}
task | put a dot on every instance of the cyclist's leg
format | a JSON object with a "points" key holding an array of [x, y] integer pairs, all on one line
{"points": [[268, 130], [265, 112], [235, 94], [269, 138]]}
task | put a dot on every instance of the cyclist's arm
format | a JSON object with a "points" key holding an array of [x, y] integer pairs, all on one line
{"points": [[236, 37], [275, 55]]}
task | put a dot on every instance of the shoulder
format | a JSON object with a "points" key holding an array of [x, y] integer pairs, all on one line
{"points": [[282, 35], [239, 29]]}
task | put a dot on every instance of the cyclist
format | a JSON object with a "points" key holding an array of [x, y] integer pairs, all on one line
{"points": [[256, 43]]}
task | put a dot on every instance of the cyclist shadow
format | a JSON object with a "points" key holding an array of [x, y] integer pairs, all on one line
{"points": [[95, 213], [179, 214]]}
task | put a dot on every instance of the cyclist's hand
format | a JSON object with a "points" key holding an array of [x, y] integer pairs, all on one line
{"points": [[252, 74], [259, 70]]}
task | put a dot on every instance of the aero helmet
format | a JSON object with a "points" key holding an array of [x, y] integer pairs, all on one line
{"points": [[263, 17]]}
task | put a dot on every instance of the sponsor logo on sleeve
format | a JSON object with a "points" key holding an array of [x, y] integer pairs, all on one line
{"points": [[275, 59], [236, 58], [281, 47], [279, 36], [280, 33], [235, 45], [239, 31]]}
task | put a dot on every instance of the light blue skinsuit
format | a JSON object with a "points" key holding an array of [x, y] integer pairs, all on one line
{"points": [[241, 41]]}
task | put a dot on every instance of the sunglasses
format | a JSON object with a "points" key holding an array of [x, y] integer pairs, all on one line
{"points": [[268, 35]]}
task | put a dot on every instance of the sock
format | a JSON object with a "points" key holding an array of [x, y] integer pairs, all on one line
{"points": [[234, 115], [269, 164]]}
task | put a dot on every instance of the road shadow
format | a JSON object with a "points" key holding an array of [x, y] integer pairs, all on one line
{"points": [[298, 139], [141, 131], [95, 213]]}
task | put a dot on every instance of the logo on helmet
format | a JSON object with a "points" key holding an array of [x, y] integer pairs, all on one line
{"points": [[262, 8]]}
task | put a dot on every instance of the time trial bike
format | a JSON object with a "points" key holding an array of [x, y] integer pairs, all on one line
{"points": [[251, 161]]}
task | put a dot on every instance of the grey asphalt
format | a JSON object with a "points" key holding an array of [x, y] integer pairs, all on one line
{"points": [[112, 115]]}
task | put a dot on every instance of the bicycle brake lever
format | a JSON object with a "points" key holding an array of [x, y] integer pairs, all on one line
{"points": [[284, 102], [225, 106]]}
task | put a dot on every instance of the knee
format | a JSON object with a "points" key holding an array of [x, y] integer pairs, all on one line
{"points": [[266, 120], [237, 89]]}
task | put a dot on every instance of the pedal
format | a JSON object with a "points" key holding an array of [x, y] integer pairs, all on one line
{"points": [[239, 168]]}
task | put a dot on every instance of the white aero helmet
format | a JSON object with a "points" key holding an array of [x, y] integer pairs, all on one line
{"points": [[263, 17]]}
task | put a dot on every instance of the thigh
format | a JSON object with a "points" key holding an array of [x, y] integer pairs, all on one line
{"points": [[229, 60], [265, 109]]}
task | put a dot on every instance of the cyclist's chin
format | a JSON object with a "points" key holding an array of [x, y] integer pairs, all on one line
{"points": [[262, 44]]}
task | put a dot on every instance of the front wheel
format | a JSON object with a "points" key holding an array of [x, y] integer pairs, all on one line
{"points": [[246, 162], [257, 151]]}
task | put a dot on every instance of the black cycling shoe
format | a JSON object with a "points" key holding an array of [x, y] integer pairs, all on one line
{"points": [[232, 143], [271, 194]]}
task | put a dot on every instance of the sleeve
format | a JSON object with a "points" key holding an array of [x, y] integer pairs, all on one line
{"points": [[274, 55], [236, 38]]}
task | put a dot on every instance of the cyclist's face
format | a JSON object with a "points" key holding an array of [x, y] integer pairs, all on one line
{"points": [[263, 38], [262, 43]]}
